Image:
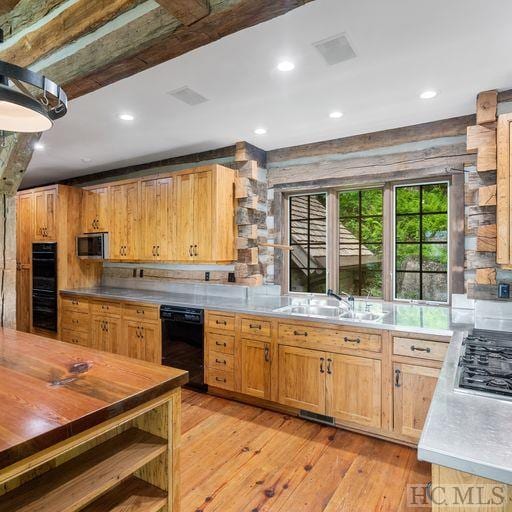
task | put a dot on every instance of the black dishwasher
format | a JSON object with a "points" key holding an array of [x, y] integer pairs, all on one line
{"points": [[182, 342]]}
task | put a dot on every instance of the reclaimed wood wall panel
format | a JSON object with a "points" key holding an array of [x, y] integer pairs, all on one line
{"points": [[486, 107], [503, 212]]}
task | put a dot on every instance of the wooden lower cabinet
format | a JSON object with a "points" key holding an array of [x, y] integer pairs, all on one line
{"points": [[256, 370], [142, 340], [23, 298], [105, 334], [353, 389], [302, 378], [413, 389]]}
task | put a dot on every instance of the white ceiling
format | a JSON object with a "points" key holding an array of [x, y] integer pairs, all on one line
{"points": [[458, 47]]}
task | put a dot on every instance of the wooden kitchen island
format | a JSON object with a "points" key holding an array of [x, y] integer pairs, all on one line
{"points": [[86, 430]]}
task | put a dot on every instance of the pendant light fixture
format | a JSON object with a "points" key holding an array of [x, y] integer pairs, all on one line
{"points": [[31, 103]]}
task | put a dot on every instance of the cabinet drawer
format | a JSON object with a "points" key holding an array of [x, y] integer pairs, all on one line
{"points": [[100, 307], [219, 361], [223, 343], [330, 337], [220, 379], [70, 303], [75, 337], [221, 322], [256, 327], [76, 321], [140, 312], [424, 349]]}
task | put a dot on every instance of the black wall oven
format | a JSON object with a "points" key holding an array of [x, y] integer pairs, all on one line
{"points": [[44, 286]]}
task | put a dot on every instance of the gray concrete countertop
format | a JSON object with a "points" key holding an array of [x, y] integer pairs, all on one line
{"points": [[423, 319], [464, 431]]}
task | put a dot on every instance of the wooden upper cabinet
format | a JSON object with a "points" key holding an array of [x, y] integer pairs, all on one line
{"points": [[124, 219], [503, 191], [302, 378], [156, 219], [256, 373], [414, 387], [353, 386], [45, 206], [95, 210], [205, 215]]}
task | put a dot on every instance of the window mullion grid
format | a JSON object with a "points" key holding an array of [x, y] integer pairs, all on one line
{"points": [[421, 242]]}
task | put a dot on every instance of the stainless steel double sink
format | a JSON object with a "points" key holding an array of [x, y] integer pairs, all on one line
{"points": [[326, 311]]}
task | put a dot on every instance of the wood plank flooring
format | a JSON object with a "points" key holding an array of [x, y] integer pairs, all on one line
{"points": [[239, 458]]}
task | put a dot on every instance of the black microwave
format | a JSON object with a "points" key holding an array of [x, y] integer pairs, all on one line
{"points": [[92, 246]]}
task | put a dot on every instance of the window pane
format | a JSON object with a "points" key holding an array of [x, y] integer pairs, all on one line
{"points": [[435, 197], [421, 242], [435, 257], [435, 287], [349, 203], [371, 202], [407, 199], [408, 285], [371, 229], [435, 227], [308, 229], [408, 228], [408, 257], [360, 237]]}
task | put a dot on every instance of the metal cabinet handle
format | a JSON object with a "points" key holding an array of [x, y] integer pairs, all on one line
{"points": [[351, 340], [153, 251], [219, 344], [299, 333], [322, 365], [267, 353], [106, 326], [255, 326], [157, 250], [220, 361], [221, 322], [140, 311], [420, 349], [190, 251], [397, 378], [195, 251], [329, 366], [218, 379]]}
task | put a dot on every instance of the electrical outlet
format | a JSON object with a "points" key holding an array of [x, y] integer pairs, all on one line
{"points": [[134, 272], [207, 276], [141, 272], [231, 277]]}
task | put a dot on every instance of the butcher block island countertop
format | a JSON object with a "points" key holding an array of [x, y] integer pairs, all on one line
{"points": [[86, 430]]}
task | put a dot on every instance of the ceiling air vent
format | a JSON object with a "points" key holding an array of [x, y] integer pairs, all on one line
{"points": [[188, 96], [335, 49]]}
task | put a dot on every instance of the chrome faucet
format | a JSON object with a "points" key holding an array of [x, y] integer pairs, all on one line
{"points": [[349, 301]]}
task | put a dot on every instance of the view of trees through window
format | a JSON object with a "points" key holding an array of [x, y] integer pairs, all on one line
{"points": [[421, 242], [308, 237], [360, 242]]}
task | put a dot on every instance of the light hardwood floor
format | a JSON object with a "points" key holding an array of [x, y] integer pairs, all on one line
{"points": [[239, 458]]}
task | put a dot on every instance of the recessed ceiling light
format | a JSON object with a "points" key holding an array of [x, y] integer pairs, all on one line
{"points": [[336, 114], [286, 65], [428, 95], [86, 159], [38, 146], [126, 117], [260, 131]]}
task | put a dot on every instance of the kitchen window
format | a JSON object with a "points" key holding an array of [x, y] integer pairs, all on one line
{"points": [[392, 241]]}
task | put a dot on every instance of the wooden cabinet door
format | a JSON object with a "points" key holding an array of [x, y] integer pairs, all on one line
{"points": [[413, 390], [203, 216], [302, 378], [184, 220], [105, 334], [95, 210], [24, 234], [124, 201], [23, 299], [255, 368], [353, 387], [156, 219], [142, 340], [45, 204]]}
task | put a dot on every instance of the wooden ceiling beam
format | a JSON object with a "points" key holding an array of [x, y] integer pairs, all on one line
{"points": [[79, 19], [187, 11], [7, 6], [220, 23]]}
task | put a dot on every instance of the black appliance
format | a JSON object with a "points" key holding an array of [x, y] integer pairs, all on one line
{"points": [[44, 286], [485, 364], [182, 342]]}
